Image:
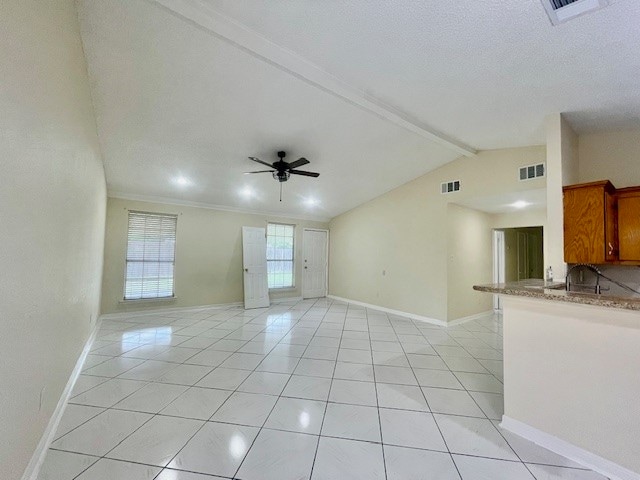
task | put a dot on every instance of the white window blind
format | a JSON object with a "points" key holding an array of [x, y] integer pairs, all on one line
{"points": [[151, 246], [280, 255]]}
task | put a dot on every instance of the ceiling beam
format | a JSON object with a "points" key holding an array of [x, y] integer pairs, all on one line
{"points": [[203, 16]]}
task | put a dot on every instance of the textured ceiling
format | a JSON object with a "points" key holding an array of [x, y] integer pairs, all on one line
{"points": [[173, 98], [483, 72]]}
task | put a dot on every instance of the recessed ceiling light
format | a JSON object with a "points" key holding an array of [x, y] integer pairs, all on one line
{"points": [[182, 181], [246, 192], [520, 204]]}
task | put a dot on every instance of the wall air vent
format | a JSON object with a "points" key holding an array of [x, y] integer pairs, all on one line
{"points": [[560, 11], [449, 187], [532, 171]]}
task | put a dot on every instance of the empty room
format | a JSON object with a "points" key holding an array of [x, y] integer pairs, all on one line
{"points": [[320, 240]]}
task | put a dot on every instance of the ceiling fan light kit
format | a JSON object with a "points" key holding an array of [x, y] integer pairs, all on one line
{"points": [[282, 171]]}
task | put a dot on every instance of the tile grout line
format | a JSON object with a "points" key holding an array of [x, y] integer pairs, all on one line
{"points": [[375, 388], [125, 438], [301, 323], [144, 423], [444, 440], [276, 402], [326, 405], [468, 393], [234, 391]]}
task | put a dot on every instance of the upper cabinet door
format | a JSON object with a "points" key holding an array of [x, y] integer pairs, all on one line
{"points": [[589, 223], [629, 227]]}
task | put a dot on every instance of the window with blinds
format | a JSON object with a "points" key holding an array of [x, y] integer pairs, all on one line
{"points": [[151, 246], [280, 255]]}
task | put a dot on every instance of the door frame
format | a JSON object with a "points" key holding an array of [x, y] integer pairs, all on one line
{"points": [[499, 272], [326, 276], [523, 256]]}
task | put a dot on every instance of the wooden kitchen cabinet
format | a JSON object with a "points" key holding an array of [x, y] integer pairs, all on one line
{"points": [[629, 224], [590, 223]]}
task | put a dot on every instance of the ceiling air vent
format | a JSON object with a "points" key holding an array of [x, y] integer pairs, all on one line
{"points": [[532, 171], [560, 11], [448, 187]]}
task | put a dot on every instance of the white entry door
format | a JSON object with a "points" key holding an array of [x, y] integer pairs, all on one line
{"points": [[254, 264], [314, 273]]}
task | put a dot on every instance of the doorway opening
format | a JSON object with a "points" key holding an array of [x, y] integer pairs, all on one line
{"points": [[518, 254]]}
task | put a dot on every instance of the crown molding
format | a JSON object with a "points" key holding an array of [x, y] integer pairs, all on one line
{"points": [[210, 206], [203, 16]]}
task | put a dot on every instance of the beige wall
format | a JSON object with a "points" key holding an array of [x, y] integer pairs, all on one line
{"points": [[523, 218], [570, 371], [611, 156], [208, 255], [404, 234], [52, 205], [469, 261]]}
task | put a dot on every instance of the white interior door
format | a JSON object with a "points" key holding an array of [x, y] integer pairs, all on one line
{"points": [[314, 270], [254, 264]]}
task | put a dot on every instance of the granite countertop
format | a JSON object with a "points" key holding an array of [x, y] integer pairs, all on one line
{"points": [[556, 291]]}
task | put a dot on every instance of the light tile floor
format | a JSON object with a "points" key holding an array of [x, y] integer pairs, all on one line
{"points": [[314, 389]]}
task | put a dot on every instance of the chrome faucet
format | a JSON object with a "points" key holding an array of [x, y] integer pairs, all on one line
{"points": [[593, 268]]}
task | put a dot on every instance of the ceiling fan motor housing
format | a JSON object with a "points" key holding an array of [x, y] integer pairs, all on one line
{"points": [[281, 175]]}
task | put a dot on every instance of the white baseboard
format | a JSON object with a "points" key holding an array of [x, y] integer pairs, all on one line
{"points": [[33, 468], [412, 316], [561, 447], [286, 299], [475, 316], [140, 313]]}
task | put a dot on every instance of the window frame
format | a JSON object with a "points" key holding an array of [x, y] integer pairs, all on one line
{"points": [[173, 262], [293, 255]]}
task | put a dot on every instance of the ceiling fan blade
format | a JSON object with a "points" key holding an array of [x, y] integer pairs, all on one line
{"points": [[260, 161], [259, 171], [302, 172], [298, 163]]}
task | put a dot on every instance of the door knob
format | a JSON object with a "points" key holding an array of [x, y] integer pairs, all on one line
{"points": [[246, 270], [305, 267]]}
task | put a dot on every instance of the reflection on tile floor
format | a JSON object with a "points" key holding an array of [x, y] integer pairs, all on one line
{"points": [[314, 389]]}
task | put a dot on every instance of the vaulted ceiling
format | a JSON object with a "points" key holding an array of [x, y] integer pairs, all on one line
{"points": [[373, 93]]}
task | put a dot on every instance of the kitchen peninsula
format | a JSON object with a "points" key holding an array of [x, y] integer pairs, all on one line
{"points": [[572, 373]]}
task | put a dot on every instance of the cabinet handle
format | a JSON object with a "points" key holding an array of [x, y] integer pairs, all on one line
{"points": [[610, 248]]}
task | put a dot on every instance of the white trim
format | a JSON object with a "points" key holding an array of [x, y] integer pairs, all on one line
{"points": [[202, 15], [139, 313], [498, 263], [286, 299], [475, 316], [326, 275], [210, 206], [33, 468], [561, 447], [412, 316]]}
